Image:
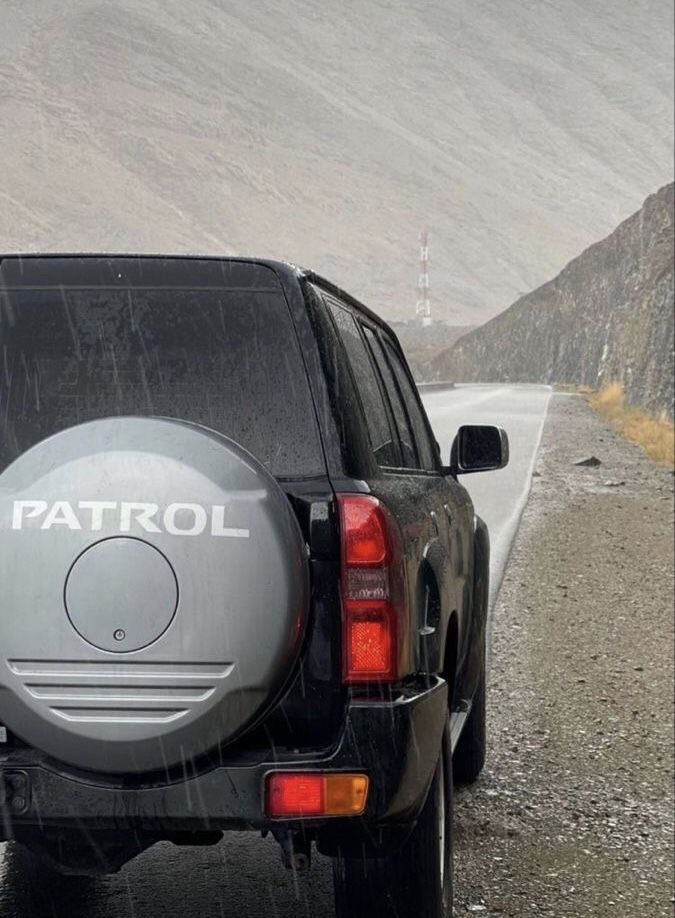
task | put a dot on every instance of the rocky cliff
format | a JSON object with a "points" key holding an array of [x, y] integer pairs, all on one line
{"points": [[607, 316]]}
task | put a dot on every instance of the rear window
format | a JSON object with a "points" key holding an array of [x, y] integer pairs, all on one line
{"points": [[224, 358]]}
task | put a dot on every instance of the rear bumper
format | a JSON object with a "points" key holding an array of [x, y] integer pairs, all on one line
{"points": [[395, 741]]}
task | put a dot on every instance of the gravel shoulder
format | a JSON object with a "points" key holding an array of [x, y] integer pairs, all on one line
{"points": [[574, 813]]}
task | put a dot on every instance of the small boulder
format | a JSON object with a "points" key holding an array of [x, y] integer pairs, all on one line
{"points": [[589, 462]]}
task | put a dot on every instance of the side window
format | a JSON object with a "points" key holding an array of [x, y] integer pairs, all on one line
{"points": [[382, 440], [425, 448], [408, 452]]}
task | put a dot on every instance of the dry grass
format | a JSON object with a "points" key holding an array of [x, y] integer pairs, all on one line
{"points": [[577, 388], [654, 434]]}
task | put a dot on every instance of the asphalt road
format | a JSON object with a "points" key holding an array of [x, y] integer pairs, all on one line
{"points": [[499, 497], [243, 875]]}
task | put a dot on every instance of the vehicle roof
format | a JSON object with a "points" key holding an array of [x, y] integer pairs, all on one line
{"points": [[285, 269]]}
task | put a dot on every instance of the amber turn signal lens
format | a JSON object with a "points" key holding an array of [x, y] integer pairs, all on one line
{"points": [[293, 795], [346, 795]]}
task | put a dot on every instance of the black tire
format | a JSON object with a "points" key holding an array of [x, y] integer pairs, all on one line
{"points": [[407, 884], [470, 753]]}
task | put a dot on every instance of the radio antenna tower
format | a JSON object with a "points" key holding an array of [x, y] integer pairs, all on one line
{"points": [[423, 308]]}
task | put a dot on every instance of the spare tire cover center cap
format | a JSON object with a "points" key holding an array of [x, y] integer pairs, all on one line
{"points": [[121, 594]]}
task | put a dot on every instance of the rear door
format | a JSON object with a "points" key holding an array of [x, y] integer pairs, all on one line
{"points": [[448, 502], [407, 479], [208, 341]]}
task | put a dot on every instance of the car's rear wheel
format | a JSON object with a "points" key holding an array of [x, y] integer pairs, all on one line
{"points": [[416, 882]]}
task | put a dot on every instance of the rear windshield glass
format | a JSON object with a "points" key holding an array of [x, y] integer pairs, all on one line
{"points": [[225, 358]]}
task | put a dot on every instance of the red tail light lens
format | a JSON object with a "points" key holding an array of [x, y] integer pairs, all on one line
{"points": [[374, 595], [295, 795], [364, 531], [371, 647]]}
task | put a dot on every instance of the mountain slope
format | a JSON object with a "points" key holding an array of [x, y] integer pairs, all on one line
{"points": [[421, 344], [607, 316], [517, 131]]}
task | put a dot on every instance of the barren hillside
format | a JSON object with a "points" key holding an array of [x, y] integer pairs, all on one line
{"points": [[517, 131]]}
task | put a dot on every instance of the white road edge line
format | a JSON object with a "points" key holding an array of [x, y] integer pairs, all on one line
{"points": [[511, 530]]}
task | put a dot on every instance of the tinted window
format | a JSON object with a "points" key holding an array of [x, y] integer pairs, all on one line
{"points": [[379, 431], [409, 454], [227, 359], [425, 449]]}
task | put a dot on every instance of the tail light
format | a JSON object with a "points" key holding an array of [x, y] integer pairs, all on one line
{"points": [[296, 795], [375, 643]]}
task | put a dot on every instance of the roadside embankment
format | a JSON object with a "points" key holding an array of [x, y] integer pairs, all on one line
{"points": [[654, 434], [574, 814]]}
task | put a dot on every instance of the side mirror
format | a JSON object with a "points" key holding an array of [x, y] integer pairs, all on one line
{"points": [[479, 448]]}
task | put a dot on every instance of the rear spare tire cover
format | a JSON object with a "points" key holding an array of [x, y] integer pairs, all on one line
{"points": [[153, 593]]}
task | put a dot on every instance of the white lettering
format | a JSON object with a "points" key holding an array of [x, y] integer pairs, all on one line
{"points": [[178, 519], [218, 527], [98, 508], [36, 508], [61, 514], [142, 514], [198, 526]]}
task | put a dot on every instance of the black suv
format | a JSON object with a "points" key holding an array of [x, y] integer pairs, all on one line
{"points": [[239, 589]]}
